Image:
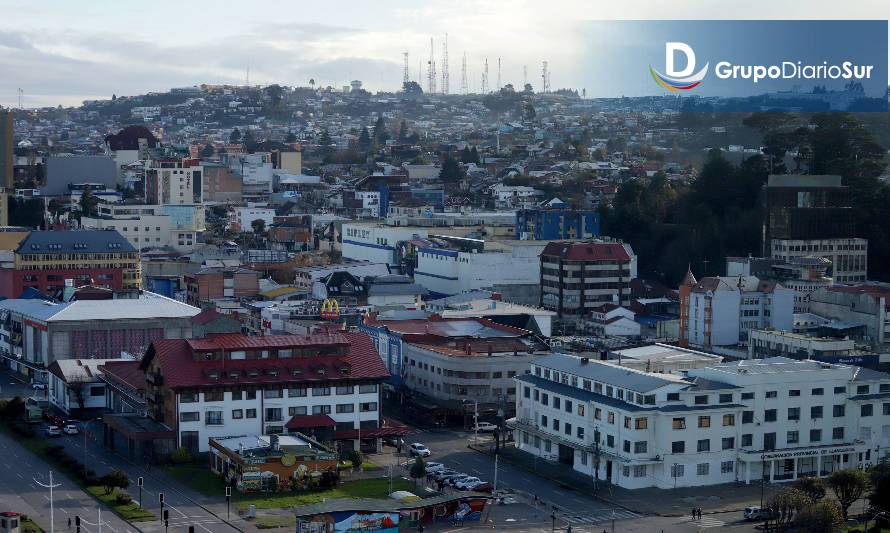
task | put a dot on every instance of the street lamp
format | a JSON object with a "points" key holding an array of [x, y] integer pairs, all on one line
{"points": [[50, 486], [553, 511]]}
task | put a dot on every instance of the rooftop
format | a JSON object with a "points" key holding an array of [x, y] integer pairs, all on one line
{"points": [[588, 251], [74, 241], [625, 378]]}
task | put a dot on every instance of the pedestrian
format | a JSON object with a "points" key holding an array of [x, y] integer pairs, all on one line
{"points": [[69, 522], [693, 513], [699, 513], [536, 500]]}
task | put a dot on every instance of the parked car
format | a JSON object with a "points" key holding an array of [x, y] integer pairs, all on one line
{"points": [[395, 442], [434, 467], [454, 480], [466, 483], [71, 429], [447, 480], [485, 427], [483, 486], [440, 475], [53, 431], [419, 450], [756, 512], [38, 386]]}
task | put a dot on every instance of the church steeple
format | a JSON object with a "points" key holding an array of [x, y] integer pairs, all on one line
{"points": [[689, 279]]}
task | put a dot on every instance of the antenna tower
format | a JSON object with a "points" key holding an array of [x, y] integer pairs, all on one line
{"points": [[463, 75], [545, 78], [524, 76], [21, 98], [405, 77], [446, 77], [485, 77], [499, 76], [431, 71]]}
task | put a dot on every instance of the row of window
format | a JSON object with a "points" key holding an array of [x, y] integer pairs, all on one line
{"points": [[274, 414], [293, 392]]}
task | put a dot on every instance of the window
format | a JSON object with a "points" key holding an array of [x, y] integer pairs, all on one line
{"points": [[641, 446], [702, 469], [727, 443], [367, 407], [296, 410], [816, 411], [213, 396], [747, 395], [237, 414], [704, 421], [610, 417], [815, 435], [862, 389], [769, 415], [545, 399], [544, 421], [556, 401], [626, 446], [567, 428], [769, 441], [701, 399], [321, 409], [673, 396], [345, 389], [794, 392], [747, 417], [866, 409], [580, 410], [296, 392], [641, 423], [250, 413], [273, 414], [213, 418], [547, 445], [679, 423], [726, 398], [189, 416], [704, 445], [747, 439], [818, 391], [886, 409], [792, 437], [838, 411], [251, 395], [639, 470], [729, 420], [580, 432], [676, 470], [840, 390], [556, 424], [678, 446], [627, 422], [771, 394], [367, 388], [726, 467], [321, 391], [837, 433], [526, 392], [236, 395], [273, 393], [345, 408], [610, 441], [794, 413]]}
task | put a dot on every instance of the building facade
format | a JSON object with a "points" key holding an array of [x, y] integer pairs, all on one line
{"points": [[774, 419], [557, 223], [152, 226], [174, 182]]}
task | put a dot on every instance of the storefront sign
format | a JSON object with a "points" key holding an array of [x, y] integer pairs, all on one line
{"points": [[809, 453]]}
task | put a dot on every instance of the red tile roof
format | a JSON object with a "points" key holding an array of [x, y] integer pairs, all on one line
{"points": [[310, 421], [587, 251], [126, 371], [180, 369], [205, 316]]}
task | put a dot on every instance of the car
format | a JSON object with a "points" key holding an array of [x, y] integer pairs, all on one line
{"points": [[483, 486], [38, 386], [53, 431], [447, 479], [466, 483], [70, 429], [454, 480], [434, 467], [485, 427], [756, 512], [419, 450], [440, 475], [395, 442]]}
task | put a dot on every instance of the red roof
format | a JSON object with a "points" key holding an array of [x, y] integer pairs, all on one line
{"points": [[205, 316], [127, 372], [180, 369], [587, 251], [310, 421]]}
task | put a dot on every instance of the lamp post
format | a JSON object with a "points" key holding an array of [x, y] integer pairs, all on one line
{"points": [[50, 486], [553, 511]]}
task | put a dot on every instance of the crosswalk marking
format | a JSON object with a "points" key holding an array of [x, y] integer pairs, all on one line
{"points": [[597, 518], [706, 522]]}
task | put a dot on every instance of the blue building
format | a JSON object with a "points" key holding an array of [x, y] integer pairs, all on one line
{"points": [[556, 221]]}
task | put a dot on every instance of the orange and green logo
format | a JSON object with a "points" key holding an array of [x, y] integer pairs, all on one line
{"points": [[682, 80]]}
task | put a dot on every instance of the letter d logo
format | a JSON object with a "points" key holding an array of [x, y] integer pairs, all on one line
{"points": [[670, 50], [678, 80]]}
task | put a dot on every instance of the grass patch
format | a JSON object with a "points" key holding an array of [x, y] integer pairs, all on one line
{"points": [[129, 511], [362, 488], [273, 522], [366, 466], [28, 526], [199, 477]]}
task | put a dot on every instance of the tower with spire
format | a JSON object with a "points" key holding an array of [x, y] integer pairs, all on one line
{"points": [[685, 290]]}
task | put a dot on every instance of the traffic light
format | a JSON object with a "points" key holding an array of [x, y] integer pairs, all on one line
{"points": [[166, 514], [161, 497]]}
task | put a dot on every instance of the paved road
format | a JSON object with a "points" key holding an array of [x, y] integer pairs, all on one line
{"points": [[10, 386], [19, 492]]}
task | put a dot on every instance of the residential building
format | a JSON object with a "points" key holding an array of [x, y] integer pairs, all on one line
{"points": [[774, 419], [720, 311], [861, 311], [556, 221], [228, 385], [610, 320], [256, 172], [289, 160], [291, 233], [395, 290], [152, 226], [7, 164], [802, 274], [444, 363], [245, 216], [848, 256], [35, 332], [217, 283], [211, 321], [221, 184], [341, 286], [45, 259], [174, 182], [76, 387], [577, 277], [513, 195], [768, 343]]}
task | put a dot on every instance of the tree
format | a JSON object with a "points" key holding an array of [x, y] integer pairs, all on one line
{"points": [[822, 517], [848, 486], [235, 136], [879, 496], [418, 470], [115, 479], [275, 93], [527, 88], [812, 487], [324, 144], [451, 171], [290, 138], [785, 504], [258, 225], [380, 133], [356, 457], [13, 409], [89, 204], [403, 132], [249, 141], [412, 88], [364, 140], [208, 150]]}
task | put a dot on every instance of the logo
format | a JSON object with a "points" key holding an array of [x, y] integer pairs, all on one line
{"points": [[682, 80]]}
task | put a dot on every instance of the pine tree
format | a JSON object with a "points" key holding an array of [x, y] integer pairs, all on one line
{"points": [[451, 171], [364, 140], [235, 135], [403, 132]]}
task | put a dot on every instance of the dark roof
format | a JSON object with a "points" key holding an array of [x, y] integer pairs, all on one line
{"points": [[62, 171], [587, 251], [127, 372], [704, 384], [580, 394], [128, 138], [75, 242], [206, 316], [310, 421], [357, 360]]}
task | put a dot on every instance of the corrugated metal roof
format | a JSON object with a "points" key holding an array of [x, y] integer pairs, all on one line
{"points": [[75, 242], [594, 370]]}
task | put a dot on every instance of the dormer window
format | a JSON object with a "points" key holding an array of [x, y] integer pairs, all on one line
{"points": [[253, 372]]}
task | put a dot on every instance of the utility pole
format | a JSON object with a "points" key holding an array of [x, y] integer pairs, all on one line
{"points": [[50, 486], [495, 486], [545, 78], [524, 76], [475, 421], [596, 458]]}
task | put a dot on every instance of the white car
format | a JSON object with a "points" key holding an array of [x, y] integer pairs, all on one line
{"points": [[454, 480], [485, 427], [70, 429], [419, 450], [757, 513], [467, 483], [38, 386], [53, 431], [432, 467]]}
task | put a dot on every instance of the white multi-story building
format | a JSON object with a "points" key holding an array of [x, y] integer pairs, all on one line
{"points": [[766, 343], [775, 419], [152, 226], [376, 243], [246, 215], [257, 173], [174, 183], [849, 257]]}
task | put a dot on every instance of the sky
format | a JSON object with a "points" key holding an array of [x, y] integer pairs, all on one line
{"points": [[63, 51]]}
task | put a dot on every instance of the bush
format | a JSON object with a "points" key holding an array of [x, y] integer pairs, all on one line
{"points": [[181, 456], [356, 457], [123, 498], [115, 479]]}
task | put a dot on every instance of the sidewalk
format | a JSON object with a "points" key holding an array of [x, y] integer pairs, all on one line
{"points": [[661, 502]]}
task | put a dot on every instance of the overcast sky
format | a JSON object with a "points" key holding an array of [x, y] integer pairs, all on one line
{"points": [[63, 51]]}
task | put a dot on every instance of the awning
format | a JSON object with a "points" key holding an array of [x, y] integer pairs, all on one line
{"points": [[310, 421]]}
